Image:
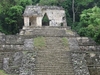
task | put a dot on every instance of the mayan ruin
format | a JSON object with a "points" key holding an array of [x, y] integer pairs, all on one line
{"points": [[48, 47]]}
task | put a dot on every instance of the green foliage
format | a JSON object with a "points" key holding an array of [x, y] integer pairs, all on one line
{"points": [[91, 16], [87, 18], [64, 41], [35, 2], [90, 23], [13, 19], [45, 20], [1, 8], [2, 72], [11, 11], [48, 2], [24, 2], [83, 2], [66, 4], [39, 42]]}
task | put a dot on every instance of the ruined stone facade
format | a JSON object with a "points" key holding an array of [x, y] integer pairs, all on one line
{"points": [[33, 17], [19, 56]]}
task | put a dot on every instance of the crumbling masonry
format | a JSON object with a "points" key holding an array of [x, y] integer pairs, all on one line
{"points": [[19, 56]]}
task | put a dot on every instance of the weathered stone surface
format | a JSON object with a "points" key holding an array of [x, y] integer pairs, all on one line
{"points": [[11, 47], [6, 64], [17, 55], [85, 41], [27, 64], [73, 44], [28, 44], [92, 58], [79, 64], [17, 58], [90, 48], [54, 59], [12, 39], [22, 63], [93, 62], [34, 14], [2, 39], [46, 32]]}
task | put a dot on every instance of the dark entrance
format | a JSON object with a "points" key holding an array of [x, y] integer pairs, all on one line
{"points": [[45, 20]]}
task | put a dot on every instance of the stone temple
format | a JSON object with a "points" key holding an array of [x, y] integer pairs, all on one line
{"points": [[34, 15], [47, 46]]}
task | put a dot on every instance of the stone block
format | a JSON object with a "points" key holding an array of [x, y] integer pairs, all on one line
{"points": [[46, 32], [28, 44], [18, 47], [6, 65], [85, 41], [12, 39], [17, 58], [2, 39]]}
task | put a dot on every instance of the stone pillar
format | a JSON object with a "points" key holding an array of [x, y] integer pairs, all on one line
{"points": [[26, 21], [39, 21]]}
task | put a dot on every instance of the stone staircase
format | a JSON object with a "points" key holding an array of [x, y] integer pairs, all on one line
{"points": [[54, 59]]}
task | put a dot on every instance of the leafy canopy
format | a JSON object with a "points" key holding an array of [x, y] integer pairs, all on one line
{"points": [[48, 2], [90, 23]]}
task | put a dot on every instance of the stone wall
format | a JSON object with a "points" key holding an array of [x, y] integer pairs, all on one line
{"points": [[55, 14], [17, 55], [85, 41], [79, 64], [85, 55], [93, 62], [77, 57], [44, 31]]}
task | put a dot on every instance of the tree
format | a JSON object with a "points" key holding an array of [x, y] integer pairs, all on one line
{"points": [[35, 2], [90, 23], [48, 2], [45, 20], [73, 10], [24, 2], [13, 19], [76, 4]]}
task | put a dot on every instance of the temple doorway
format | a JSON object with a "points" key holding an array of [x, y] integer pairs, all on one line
{"points": [[45, 20], [32, 21]]}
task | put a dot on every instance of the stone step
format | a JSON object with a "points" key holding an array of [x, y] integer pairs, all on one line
{"points": [[85, 41], [61, 67], [54, 50], [54, 70], [54, 60], [45, 73], [57, 55]]}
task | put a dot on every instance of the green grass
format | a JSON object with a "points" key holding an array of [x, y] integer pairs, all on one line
{"points": [[64, 41], [69, 31], [39, 42], [2, 72]]}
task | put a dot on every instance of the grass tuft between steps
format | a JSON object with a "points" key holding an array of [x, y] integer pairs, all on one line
{"points": [[2, 72], [39, 42], [64, 41]]}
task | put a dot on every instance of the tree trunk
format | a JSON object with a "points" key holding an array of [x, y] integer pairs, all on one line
{"points": [[73, 10]]}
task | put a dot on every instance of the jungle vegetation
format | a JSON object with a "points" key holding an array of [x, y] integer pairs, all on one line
{"points": [[82, 15]]}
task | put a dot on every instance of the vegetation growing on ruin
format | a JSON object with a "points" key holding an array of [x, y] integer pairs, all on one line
{"points": [[45, 20], [2, 72], [82, 15], [64, 41], [39, 42]]}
